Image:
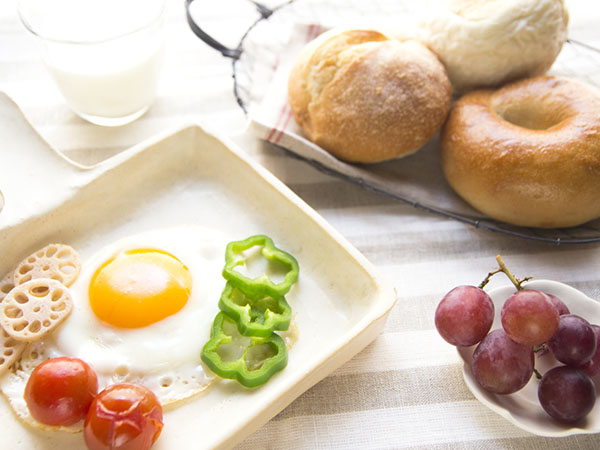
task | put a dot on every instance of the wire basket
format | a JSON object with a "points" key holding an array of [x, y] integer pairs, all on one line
{"points": [[251, 82]]}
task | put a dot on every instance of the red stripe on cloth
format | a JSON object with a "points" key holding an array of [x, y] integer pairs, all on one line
{"points": [[274, 129], [285, 113], [288, 116], [313, 32]]}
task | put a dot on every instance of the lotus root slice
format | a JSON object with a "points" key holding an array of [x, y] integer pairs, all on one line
{"points": [[56, 261], [35, 308], [6, 285], [11, 350]]}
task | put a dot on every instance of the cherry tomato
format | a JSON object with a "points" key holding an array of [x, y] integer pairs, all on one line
{"points": [[60, 390], [123, 417]]}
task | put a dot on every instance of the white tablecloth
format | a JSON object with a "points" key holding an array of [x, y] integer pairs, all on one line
{"points": [[406, 389]]}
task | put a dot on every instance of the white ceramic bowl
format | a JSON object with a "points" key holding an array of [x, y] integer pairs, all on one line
{"points": [[522, 408]]}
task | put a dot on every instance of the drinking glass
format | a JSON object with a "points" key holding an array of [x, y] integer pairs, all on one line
{"points": [[105, 56]]}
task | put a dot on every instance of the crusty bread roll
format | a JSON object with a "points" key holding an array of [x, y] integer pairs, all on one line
{"points": [[490, 42], [528, 153], [364, 97]]}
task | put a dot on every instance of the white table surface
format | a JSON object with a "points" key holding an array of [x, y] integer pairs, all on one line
{"points": [[405, 390]]}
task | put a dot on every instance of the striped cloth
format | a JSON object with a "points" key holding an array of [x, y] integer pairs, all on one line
{"points": [[405, 390]]}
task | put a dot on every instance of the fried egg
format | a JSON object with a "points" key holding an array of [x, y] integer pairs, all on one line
{"points": [[143, 307]]}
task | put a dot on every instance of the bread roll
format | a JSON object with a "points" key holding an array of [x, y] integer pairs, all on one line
{"points": [[364, 97], [490, 42]]}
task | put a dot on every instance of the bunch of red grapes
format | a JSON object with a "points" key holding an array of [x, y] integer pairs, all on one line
{"points": [[532, 321]]}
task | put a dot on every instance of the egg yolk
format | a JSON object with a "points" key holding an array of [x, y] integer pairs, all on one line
{"points": [[139, 287]]}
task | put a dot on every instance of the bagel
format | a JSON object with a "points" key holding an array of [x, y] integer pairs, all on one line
{"points": [[528, 153], [365, 97], [492, 42]]}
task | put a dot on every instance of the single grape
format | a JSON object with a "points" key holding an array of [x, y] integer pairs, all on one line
{"points": [[574, 343], [500, 365], [558, 304], [529, 317], [566, 393], [592, 367], [464, 316]]}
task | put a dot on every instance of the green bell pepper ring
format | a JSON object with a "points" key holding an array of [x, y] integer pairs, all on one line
{"points": [[252, 361], [261, 286], [255, 317]]}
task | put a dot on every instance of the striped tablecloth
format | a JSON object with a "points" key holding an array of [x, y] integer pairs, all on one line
{"points": [[405, 390]]}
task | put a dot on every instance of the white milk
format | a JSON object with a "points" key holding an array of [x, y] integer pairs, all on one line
{"points": [[104, 55], [108, 85]]}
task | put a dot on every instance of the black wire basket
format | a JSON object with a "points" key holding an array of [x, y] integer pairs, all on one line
{"points": [[244, 64]]}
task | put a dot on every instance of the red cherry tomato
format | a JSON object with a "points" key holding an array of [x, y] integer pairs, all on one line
{"points": [[60, 390], [123, 417]]}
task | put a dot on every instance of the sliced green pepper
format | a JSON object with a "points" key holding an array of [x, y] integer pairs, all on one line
{"points": [[261, 286], [252, 361], [255, 317]]}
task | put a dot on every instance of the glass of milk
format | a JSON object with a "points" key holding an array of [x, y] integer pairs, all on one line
{"points": [[104, 55]]}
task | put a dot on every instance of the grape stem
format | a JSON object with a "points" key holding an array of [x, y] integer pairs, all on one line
{"points": [[517, 282], [540, 349]]}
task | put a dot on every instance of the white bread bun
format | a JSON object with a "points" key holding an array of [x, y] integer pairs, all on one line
{"points": [[489, 42], [528, 153], [365, 97]]}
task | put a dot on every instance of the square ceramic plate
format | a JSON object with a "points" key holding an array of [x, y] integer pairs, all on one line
{"points": [[191, 177]]}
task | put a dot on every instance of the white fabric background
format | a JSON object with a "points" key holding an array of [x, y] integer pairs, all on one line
{"points": [[403, 391]]}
